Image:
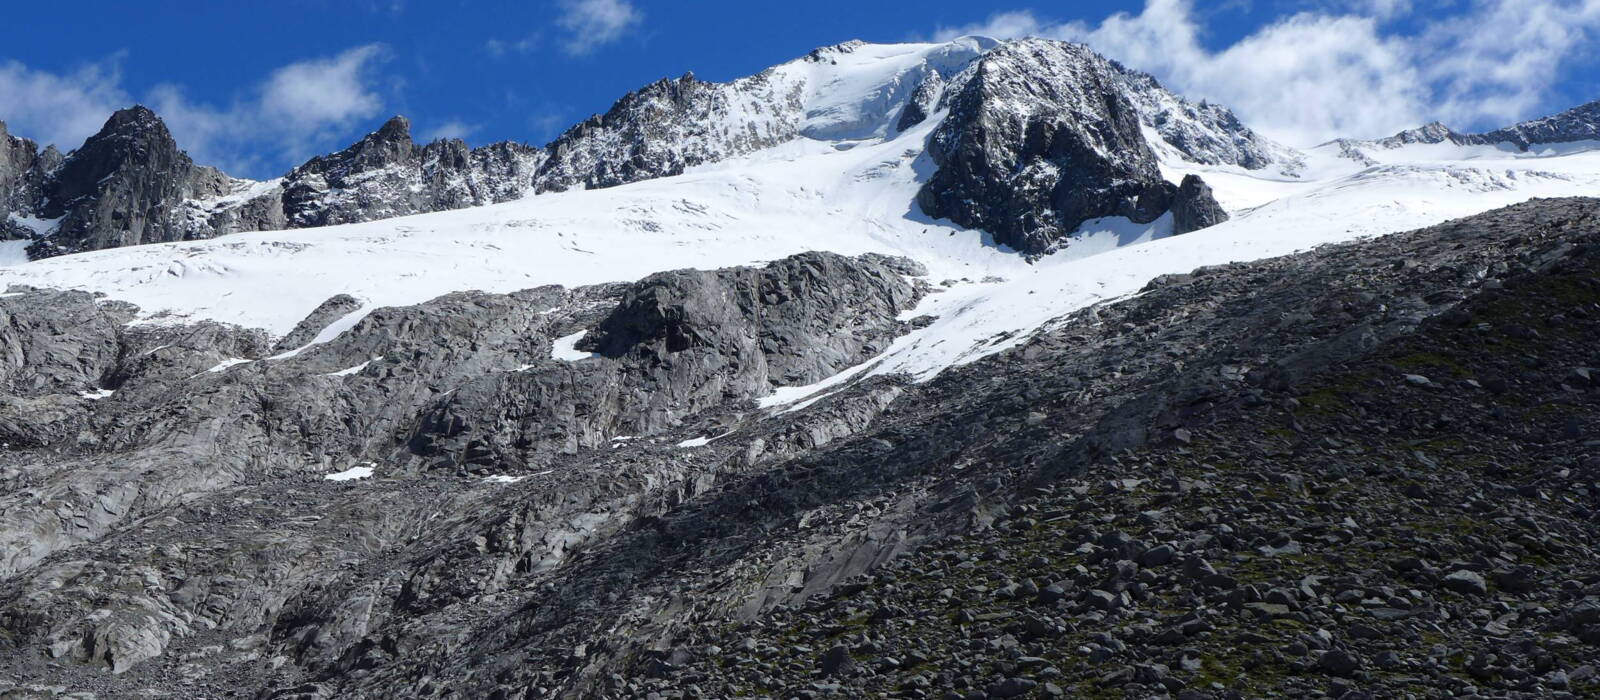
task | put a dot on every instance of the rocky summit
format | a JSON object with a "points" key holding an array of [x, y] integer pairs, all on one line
{"points": [[956, 371]]}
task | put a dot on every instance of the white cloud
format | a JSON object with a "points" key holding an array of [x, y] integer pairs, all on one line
{"points": [[594, 23], [59, 109], [453, 129], [316, 93], [1311, 76], [294, 111]]}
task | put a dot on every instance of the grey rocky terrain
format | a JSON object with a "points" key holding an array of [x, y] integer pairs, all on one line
{"points": [[1364, 470]]}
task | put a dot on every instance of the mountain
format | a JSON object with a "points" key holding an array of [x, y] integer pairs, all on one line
{"points": [[1581, 123], [845, 93], [1040, 138], [386, 175], [1573, 126], [970, 369]]}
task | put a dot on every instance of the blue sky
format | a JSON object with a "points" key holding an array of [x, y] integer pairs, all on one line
{"points": [[258, 87]]}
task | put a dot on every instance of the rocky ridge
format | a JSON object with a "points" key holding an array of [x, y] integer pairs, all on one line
{"points": [[1581, 123], [157, 194]]}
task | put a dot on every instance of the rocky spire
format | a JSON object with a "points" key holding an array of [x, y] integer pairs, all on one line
{"points": [[123, 186]]}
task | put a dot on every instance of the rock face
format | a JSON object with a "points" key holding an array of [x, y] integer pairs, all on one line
{"points": [[676, 344], [385, 175], [1039, 139], [22, 171], [1259, 485], [127, 184], [1193, 206], [1203, 132]]}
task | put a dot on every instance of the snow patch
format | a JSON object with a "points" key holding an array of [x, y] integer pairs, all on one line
{"points": [[225, 364], [353, 370], [97, 394], [361, 472], [566, 349], [702, 441]]}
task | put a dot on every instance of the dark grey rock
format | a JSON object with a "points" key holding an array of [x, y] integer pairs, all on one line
{"points": [[1194, 207], [1465, 582], [1037, 141]]}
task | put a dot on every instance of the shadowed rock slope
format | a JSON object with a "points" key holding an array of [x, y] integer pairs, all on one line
{"points": [[1361, 469]]}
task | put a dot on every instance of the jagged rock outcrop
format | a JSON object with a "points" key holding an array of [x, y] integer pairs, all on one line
{"points": [[22, 170], [670, 125], [1040, 139], [1194, 207], [385, 175], [128, 184]]}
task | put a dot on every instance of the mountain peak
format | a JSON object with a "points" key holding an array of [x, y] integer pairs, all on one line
{"points": [[135, 120], [823, 52], [397, 128]]}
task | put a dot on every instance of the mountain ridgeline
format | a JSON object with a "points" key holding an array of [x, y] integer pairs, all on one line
{"points": [[1049, 134], [1581, 123]]}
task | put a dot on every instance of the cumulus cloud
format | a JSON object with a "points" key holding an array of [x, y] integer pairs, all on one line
{"points": [[314, 93], [591, 24], [453, 129], [295, 110], [61, 109], [1315, 75]]}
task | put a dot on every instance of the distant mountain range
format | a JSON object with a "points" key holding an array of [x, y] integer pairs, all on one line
{"points": [[1084, 115]]}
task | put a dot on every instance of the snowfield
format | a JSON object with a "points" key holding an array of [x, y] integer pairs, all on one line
{"points": [[850, 189]]}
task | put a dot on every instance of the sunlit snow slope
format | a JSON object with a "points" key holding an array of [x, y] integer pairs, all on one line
{"points": [[821, 193]]}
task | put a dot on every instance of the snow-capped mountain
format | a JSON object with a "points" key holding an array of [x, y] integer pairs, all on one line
{"points": [[848, 93], [870, 344], [1573, 129], [937, 152], [933, 151]]}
